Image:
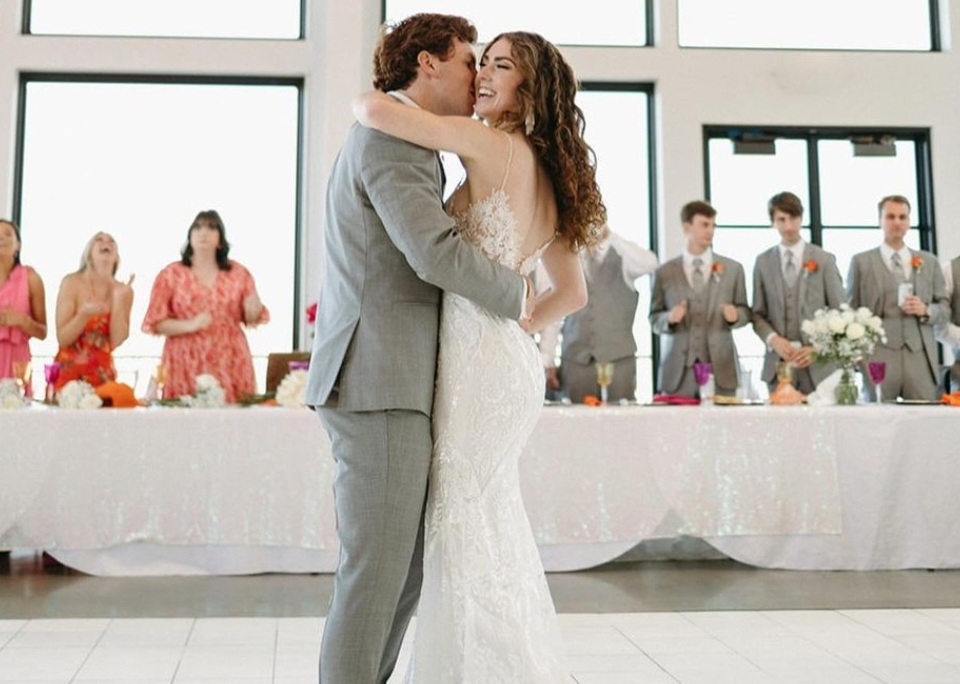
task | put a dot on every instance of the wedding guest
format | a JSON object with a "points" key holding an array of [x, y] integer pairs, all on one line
{"points": [[602, 331], [23, 311], [949, 333], [905, 288], [201, 304], [93, 315], [791, 280], [698, 299]]}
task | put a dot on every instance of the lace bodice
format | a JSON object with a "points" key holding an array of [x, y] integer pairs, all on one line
{"points": [[490, 224]]}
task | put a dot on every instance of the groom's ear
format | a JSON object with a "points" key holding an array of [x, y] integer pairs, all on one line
{"points": [[427, 62]]}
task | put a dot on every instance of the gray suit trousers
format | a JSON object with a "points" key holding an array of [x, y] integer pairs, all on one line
{"points": [[382, 465]]}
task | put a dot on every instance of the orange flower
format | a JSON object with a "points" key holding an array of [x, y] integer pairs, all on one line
{"points": [[590, 400], [117, 395], [810, 266], [717, 268], [916, 262]]}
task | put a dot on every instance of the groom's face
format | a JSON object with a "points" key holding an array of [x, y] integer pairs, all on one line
{"points": [[456, 83]]}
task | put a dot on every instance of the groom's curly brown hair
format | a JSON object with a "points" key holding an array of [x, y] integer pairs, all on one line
{"points": [[395, 57]]}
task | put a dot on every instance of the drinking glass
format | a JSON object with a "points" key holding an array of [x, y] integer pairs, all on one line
{"points": [[51, 373], [160, 379], [877, 371], [604, 378], [22, 371], [701, 375]]}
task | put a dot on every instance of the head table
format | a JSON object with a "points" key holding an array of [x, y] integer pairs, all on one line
{"points": [[151, 491]]}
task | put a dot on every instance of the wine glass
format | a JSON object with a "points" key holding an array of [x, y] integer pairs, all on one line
{"points": [[701, 375], [22, 371], [51, 373], [160, 379], [877, 371], [604, 378]]}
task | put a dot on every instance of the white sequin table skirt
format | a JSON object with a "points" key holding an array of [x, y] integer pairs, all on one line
{"points": [[240, 491]]}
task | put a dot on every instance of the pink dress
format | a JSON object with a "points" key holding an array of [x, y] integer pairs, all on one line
{"points": [[15, 294], [221, 349]]}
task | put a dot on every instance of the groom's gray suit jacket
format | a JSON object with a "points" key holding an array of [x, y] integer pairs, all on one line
{"points": [[390, 250], [818, 286]]}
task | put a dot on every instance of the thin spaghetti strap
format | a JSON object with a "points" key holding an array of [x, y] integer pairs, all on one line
{"points": [[506, 171]]}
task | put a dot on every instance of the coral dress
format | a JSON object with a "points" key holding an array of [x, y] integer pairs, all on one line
{"points": [[221, 349], [90, 357], [15, 294]]}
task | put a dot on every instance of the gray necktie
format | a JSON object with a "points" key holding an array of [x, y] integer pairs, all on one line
{"points": [[896, 266], [790, 269], [698, 281]]}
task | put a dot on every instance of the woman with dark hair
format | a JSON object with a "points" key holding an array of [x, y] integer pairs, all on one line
{"points": [[199, 304], [485, 612], [93, 315], [23, 311]]}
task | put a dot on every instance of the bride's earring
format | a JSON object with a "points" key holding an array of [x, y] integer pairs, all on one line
{"points": [[529, 123]]}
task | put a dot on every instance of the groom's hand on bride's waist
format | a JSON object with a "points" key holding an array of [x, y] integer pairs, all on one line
{"points": [[529, 295]]}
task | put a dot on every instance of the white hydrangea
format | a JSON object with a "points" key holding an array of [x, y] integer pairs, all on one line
{"points": [[209, 394], [78, 394], [10, 395], [844, 335], [292, 390]]}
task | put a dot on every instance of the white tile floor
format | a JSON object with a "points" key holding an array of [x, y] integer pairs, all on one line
{"points": [[743, 647]]}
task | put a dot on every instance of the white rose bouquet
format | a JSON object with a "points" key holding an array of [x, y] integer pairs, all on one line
{"points": [[292, 389], [209, 394], [78, 394], [11, 396], [844, 335]]}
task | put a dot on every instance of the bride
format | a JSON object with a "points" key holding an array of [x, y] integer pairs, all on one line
{"points": [[485, 614]]}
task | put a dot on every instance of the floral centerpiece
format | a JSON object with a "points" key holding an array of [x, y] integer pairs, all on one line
{"points": [[292, 389], [11, 396], [209, 394], [844, 336], [78, 394]]}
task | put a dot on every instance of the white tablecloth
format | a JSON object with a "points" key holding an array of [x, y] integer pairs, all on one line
{"points": [[232, 491]]}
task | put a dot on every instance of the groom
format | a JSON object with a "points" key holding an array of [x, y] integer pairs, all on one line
{"points": [[389, 251]]}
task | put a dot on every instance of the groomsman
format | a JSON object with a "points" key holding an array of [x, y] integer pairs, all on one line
{"points": [[791, 280], [949, 333], [698, 299], [906, 289]]}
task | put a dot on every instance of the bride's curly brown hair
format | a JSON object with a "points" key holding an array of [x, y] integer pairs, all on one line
{"points": [[554, 124]]}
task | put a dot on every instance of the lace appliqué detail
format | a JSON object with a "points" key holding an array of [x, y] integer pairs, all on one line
{"points": [[490, 224]]}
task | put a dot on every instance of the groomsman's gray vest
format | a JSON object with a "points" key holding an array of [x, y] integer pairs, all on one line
{"points": [[697, 323], [603, 329], [901, 330], [791, 302]]}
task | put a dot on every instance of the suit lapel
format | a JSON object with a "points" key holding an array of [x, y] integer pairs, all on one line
{"points": [[803, 275], [879, 271], [714, 279], [775, 278]]}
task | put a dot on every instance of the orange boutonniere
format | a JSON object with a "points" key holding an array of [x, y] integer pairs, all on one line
{"points": [[716, 270], [810, 266], [916, 262]]}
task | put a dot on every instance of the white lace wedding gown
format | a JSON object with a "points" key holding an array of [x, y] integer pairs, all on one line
{"points": [[485, 613]]}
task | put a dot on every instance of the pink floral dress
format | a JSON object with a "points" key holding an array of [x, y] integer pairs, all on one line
{"points": [[221, 349]]}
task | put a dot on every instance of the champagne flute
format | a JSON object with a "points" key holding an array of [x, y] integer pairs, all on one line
{"points": [[22, 371], [604, 378], [160, 379], [51, 373], [701, 375], [877, 371]]}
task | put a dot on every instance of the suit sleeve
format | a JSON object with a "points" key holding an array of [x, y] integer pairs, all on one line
{"points": [[761, 325], [938, 309], [403, 187], [658, 306], [740, 299]]}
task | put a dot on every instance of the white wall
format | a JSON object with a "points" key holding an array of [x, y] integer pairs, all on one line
{"points": [[693, 88]]}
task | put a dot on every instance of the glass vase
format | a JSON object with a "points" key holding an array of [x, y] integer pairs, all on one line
{"points": [[846, 390]]}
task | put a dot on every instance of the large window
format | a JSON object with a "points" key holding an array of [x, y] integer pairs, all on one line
{"points": [[619, 126], [610, 22], [139, 160], [839, 175], [811, 24], [175, 18]]}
